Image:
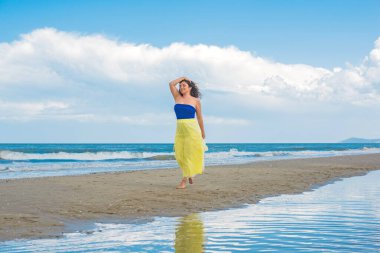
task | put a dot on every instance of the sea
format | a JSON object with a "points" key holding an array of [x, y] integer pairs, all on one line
{"points": [[25, 160]]}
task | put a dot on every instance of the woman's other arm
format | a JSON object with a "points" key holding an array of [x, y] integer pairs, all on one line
{"points": [[200, 118]]}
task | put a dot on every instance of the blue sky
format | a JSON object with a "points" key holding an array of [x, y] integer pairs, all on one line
{"points": [[330, 39]]}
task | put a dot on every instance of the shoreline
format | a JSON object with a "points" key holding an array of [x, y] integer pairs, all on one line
{"points": [[44, 207]]}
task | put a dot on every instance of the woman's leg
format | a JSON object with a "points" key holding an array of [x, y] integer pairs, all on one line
{"points": [[182, 185]]}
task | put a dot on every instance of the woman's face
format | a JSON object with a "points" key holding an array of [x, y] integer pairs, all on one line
{"points": [[184, 87]]}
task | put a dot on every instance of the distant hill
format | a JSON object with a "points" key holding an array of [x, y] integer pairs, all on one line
{"points": [[360, 140]]}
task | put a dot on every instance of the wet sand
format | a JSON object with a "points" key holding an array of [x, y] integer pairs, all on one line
{"points": [[46, 207]]}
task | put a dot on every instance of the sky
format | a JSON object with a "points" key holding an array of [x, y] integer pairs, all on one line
{"points": [[268, 71]]}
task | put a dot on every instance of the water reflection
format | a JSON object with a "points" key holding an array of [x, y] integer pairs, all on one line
{"points": [[189, 235]]}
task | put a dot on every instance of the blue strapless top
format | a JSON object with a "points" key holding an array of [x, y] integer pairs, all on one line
{"points": [[184, 111]]}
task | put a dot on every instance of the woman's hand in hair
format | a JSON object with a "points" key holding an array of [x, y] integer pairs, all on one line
{"points": [[176, 81]]}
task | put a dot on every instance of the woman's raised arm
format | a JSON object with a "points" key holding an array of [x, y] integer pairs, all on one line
{"points": [[172, 85]]}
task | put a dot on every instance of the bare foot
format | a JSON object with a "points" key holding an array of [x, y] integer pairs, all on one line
{"points": [[190, 180], [182, 185]]}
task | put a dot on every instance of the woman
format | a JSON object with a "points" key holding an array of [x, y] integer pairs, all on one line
{"points": [[189, 144]]}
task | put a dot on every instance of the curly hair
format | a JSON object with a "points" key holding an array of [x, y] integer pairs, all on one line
{"points": [[194, 89]]}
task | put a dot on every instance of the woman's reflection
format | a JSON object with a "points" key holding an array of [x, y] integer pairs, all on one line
{"points": [[189, 235]]}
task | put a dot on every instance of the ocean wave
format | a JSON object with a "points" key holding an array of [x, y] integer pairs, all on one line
{"points": [[17, 164], [5, 169], [7, 156], [161, 157], [233, 152], [82, 156]]}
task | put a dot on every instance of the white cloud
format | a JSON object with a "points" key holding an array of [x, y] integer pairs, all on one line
{"points": [[29, 110], [375, 53], [75, 70], [60, 111], [210, 120]]}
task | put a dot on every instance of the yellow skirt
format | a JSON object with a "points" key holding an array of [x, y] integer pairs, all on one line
{"points": [[189, 147]]}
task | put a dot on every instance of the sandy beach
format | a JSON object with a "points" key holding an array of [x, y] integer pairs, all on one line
{"points": [[44, 207]]}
